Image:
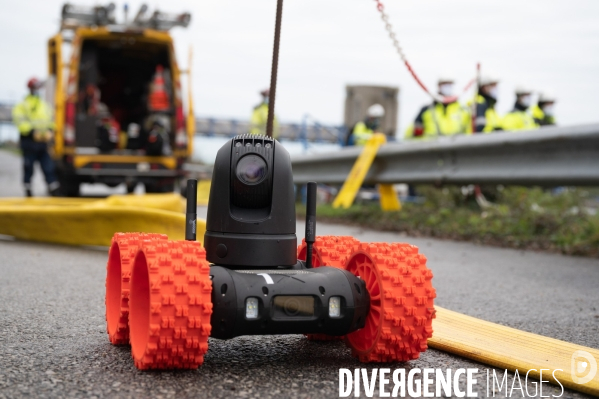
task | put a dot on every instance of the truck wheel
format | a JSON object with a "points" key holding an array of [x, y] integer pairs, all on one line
{"points": [[70, 189], [70, 186], [328, 251], [153, 188], [123, 248], [69, 182], [169, 305], [130, 186], [401, 302]]}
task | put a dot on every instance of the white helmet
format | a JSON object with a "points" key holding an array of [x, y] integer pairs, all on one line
{"points": [[445, 79], [376, 111], [522, 89], [546, 97], [488, 79]]}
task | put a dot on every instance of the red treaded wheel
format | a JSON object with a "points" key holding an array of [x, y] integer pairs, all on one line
{"points": [[401, 302], [123, 248], [170, 305], [328, 251]]}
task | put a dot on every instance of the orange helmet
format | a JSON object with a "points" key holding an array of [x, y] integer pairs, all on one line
{"points": [[33, 83]]}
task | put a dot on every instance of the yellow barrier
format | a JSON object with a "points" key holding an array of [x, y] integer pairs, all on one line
{"points": [[358, 172], [389, 200], [93, 222], [204, 192], [508, 348], [349, 190], [166, 202]]}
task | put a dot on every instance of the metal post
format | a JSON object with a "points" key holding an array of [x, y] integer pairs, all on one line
{"points": [[273, 71]]}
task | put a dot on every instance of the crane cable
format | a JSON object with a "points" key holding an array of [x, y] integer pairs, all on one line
{"points": [[381, 8]]}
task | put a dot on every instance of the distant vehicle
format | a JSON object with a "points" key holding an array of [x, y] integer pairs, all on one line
{"points": [[119, 113]]}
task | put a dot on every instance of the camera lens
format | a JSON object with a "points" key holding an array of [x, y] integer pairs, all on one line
{"points": [[251, 169], [292, 307]]}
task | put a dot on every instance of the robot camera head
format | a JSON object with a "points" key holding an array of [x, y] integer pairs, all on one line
{"points": [[251, 212]]}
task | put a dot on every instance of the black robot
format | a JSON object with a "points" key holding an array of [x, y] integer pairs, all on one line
{"points": [[166, 298]]}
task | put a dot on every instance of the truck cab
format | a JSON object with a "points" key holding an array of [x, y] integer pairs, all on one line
{"points": [[118, 100]]}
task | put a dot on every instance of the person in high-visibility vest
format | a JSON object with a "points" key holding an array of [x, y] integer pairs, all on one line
{"points": [[363, 130], [441, 118], [486, 118], [260, 117], [520, 118], [542, 111], [33, 119]]}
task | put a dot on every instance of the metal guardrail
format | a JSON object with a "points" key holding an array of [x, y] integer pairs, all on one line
{"points": [[567, 155], [305, 131]]}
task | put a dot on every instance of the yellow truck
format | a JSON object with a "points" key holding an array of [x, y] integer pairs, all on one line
{"points": [[118, 100]]}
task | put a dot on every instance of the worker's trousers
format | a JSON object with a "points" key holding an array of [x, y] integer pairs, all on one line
{"points": [[37, 152]]}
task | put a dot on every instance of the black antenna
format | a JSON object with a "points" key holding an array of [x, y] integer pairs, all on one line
{"points": [[310, 222], [191, 215]]}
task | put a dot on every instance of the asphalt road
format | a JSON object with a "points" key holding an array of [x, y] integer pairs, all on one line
{"points": [[53, 341]]}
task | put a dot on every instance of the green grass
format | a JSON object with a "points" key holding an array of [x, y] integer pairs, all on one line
{"points": [[520, 218]]}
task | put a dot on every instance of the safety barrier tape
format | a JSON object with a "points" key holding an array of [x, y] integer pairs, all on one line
{"points": [[511, 349]]}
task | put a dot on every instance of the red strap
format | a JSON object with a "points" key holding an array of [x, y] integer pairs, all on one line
{"points": [[446, 100]]}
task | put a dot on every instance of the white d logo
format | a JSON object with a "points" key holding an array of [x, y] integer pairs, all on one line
{"points": [[580, 370]]}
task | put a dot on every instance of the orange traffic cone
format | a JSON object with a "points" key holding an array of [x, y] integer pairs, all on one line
{"points": [[158, 96]]}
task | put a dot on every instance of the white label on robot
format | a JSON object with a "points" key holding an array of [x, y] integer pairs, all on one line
{"points": [[267, 278]]}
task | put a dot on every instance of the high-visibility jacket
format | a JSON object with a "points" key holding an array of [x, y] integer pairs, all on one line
{"points": [[439, 119], [260, 119], [518, 119], [32, 113], [361, 133], [541, 118], [487, 119]]}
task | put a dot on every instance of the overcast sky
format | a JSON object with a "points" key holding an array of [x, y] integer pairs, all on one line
{"points": [[327, 44]]}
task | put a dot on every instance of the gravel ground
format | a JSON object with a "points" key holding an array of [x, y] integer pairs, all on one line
{"points": [[53, 341]]}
